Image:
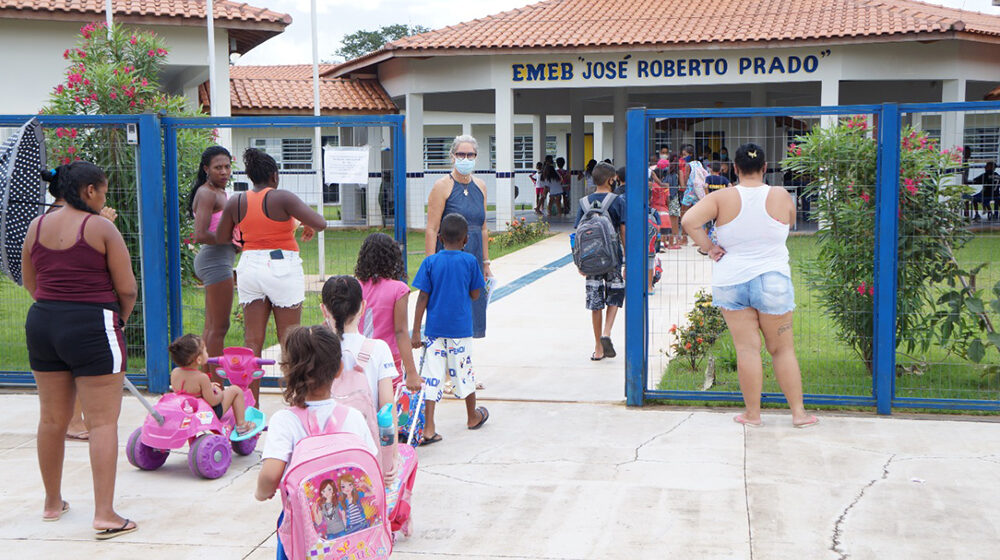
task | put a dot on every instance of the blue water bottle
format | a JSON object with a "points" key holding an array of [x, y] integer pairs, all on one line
{"points": [[386, 434]]}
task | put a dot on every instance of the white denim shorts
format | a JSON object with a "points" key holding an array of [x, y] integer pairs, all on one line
{"points": [[260, 276]]}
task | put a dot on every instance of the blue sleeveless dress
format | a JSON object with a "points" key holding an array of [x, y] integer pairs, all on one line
{"points": [[467, 199]]}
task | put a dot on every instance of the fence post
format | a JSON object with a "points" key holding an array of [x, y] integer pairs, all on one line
{"points": [[173, 230], [154, 258], [399, 184], [886, 258], [635, 257]]}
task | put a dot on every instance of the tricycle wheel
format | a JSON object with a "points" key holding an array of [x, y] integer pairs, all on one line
{"points": [[143, 456], [246, 446], [210, 456]]}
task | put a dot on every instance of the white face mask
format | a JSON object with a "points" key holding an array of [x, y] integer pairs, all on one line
{"points": [[465, 166]]}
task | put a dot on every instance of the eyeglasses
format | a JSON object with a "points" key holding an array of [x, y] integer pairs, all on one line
{"points": [[466, 155]]}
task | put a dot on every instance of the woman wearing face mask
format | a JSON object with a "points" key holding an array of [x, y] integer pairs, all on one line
{"points": [[459, 192]]}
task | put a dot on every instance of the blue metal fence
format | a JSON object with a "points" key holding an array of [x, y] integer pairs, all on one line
{"points": [[883, 392], [159, 216]]}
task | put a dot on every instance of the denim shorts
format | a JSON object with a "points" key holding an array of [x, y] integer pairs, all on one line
{"points": [[770, 293]]}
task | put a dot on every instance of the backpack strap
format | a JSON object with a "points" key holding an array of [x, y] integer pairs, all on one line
{"points": [[602, 209], [364, 353], [585, 205], [311, 424], [608, 200]]}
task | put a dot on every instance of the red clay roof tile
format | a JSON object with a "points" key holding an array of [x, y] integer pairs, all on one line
{"points": [[223, 10], [289, 89], [622, 23]]}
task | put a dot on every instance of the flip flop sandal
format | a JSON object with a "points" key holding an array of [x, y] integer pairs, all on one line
{"points": [[740, 419], [807, 424], [78, 436], [485, 416], [65, 508], [594, 358], [428, 441], [112, 533], [609, 348]]}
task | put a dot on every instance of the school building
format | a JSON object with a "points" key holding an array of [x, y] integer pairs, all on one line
{"points": [[557, 77]]}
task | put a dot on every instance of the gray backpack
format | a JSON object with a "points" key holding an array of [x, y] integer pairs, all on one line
{"points": [[596, 251]]}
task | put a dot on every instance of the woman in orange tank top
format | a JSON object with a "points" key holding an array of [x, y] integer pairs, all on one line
{"points": [[269, 275]]}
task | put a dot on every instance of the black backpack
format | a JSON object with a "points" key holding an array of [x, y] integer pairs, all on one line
{"points": [[596, 250]]}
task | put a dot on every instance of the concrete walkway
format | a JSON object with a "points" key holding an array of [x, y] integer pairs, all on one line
{"points": [[563, 470]]}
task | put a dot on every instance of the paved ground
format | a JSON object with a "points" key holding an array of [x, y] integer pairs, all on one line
{"points": [[564, 471]]}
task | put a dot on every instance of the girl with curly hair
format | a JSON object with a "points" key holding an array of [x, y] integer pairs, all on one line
{"points": [[383, 285]]}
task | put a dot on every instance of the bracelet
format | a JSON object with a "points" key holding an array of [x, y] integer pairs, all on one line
{"points": [[486, 261]]}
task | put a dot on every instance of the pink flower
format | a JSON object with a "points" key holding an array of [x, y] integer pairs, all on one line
{"points": [[71, 150], [60, 132], [791, 148], [86, 101], [86, 82], [66, 160], [144, 82], [131, 103], [865, 197], [66, 53], [910, 185], [72, 133], [133, 40], [862, 288], [82, 53], [93, 96], [113, 95], [850, 187], [60, 88], [161, 52], [871, 290], [798, 151], [76, 98], [151, 52]]}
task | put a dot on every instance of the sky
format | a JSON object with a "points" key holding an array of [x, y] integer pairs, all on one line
{"points": [[337, 18]]}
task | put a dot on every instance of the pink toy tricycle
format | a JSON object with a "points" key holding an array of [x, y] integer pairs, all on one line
{"points": [[183, 419]]}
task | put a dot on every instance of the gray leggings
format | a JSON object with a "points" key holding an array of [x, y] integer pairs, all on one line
{"points": [[214, 263]]}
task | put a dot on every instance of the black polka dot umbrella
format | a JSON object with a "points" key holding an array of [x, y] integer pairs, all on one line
{"points": [[22, 195]]}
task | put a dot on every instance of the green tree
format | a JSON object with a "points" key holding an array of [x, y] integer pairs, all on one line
{"points": [[363, 41], [117, 73]]}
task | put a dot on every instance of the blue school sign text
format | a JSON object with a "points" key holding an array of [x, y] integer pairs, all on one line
{"points": [[626, 68]]}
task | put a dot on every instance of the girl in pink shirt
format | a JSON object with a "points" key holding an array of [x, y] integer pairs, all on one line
{"points": [[381, 273]]}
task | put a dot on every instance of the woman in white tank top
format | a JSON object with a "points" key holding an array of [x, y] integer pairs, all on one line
{"points": [[751, 279]]}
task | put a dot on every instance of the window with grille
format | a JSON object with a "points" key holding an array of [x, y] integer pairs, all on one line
{"points": [[437, 152], [524, 151], [289, 153], [984, 142]]}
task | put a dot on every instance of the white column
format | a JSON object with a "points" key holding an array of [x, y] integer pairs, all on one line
{"points": [[222, 107], [758, 98], [505, 156], [599, 140], [467, 128], [620, 103], [537, 139], [416, 195], [577, 133], [829, 95], [373, 194], [540, 147], [952, 122]]}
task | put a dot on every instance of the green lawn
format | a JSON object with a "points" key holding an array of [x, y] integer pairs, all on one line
{"points": [[342, 247], [830, 367]]}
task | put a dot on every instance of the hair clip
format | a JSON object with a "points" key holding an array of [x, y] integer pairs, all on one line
{"points": [[752, 154], [54, 172]]}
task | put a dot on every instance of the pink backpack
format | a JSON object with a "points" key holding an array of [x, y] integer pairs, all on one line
{"points": [[351, 388], [325, 468]]}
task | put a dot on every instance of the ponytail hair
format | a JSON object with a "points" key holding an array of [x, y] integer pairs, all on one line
{"points": [[310, 360], [67, 180], [750, 159], [260, 166], [206, 159], [342, 298]]}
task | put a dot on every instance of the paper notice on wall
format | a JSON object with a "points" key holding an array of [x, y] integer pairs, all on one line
{"points": [[345, 164]]}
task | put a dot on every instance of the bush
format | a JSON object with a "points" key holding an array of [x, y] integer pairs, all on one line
{"points": [[117, 73], [705, 326], [840, 164], [519, 232]]}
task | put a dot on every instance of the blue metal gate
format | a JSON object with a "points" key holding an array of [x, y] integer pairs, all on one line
{"points": [[646, 127]]}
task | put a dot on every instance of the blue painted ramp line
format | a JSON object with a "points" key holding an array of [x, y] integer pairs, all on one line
{"points": [[507, 289]]}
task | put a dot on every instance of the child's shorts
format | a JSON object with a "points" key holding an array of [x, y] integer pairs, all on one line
{"points": [[770, 293], [282, 281], [447, 359], [605, 290]]}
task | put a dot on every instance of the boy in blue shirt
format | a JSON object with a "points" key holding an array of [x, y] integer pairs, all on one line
{"points": [[448, 282]]}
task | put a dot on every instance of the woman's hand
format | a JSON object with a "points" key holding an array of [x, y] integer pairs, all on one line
{"points": [[307, 233], [716, 253], [109, 213], [487, 271]]}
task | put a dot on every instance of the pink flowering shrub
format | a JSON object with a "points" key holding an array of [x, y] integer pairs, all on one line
{"points": [[839, 164], [118, 73]]}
